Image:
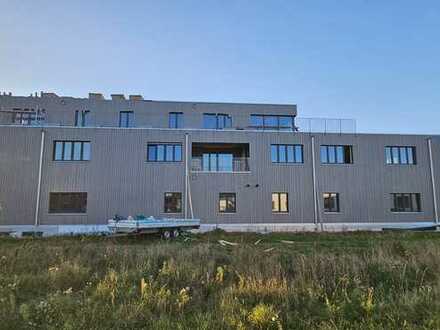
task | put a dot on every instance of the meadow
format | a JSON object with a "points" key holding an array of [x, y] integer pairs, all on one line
{"points": [[360, 280]]}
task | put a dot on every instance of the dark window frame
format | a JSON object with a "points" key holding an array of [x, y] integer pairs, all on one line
{"points": [[82, 118], [164, 145], [411, 197], [126, 123], [179, 202], [338, 203], [59, 210], [72, 151], [389, 152], [279, 193], [347, 154], [178, 120], [277, 127], [227, 197], [286, 146]]}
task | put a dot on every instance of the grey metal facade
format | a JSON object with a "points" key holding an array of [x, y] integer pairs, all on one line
{"points": [[119, 180]]}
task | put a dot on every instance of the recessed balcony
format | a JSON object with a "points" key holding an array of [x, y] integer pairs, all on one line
{"points": [[220, 157]]}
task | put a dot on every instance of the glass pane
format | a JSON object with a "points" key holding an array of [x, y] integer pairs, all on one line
{"points": [[340, 154], [179, 120], [411, 158], [178, 153], [67, 151], [169, 153], [86, 118], [122, 119], [282, 153], [86, 151], [213, 162], [257, 121], [274, 153], [324, 158], [290, 154], [228, 122], [327, 203], [152, 153], [210, 121], [403, 157], [160, 153], [172, 121], [275, 203], [388, 157], [222, 205], [77, 151], [286, 123], [331, 154], [58, 151], [395, 154], [225, 162], [416, 202], [283, 203], [130, 119], [205, 164], [298, 154], [271, 122]]}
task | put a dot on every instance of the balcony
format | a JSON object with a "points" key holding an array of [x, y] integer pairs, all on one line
{"points": [[220, 157]]}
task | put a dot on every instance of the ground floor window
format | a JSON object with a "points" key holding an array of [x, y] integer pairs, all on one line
{"points": [[280, 202], [227, 203], [406, 202], [68, 202], [331, 202], [173, 202]]}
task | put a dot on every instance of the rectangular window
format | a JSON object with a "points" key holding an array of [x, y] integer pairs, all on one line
{"points": [[227, 203], [216, 121], [173, 202], [164, 152], [405, 202], [400, 155], [71, 150], [126, 119], [331, 202], [217, 162], [82, 118], [280, 202], [290, 153], [273, 122], [175, 120], [335, 154], [63, 202]]}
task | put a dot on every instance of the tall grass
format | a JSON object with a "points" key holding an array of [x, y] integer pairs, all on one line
{"points": [[315, 281]]}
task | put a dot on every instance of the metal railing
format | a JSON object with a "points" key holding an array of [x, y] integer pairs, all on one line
{"points": [[236, 164], [325, 125]]}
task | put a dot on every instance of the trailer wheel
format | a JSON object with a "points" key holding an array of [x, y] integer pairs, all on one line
{"points": [[176, 233], [166, 234]]}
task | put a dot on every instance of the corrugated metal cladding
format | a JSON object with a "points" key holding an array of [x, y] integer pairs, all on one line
{"points": [[119, 180]]}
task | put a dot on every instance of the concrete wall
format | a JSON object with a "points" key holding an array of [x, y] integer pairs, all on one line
{"points": [[119, 180]]}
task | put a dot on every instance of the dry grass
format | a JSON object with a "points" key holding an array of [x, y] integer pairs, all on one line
{"points": [[320, 281]]}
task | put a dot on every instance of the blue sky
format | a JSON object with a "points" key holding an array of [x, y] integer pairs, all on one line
{"points": [[373, 60]]}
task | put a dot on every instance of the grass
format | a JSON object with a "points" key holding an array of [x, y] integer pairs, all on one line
{"points": [[313, 281]]}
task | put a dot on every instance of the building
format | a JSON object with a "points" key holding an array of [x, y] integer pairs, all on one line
{"points": [[69, 164]]}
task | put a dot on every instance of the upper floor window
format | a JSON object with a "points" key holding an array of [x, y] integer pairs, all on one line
{"points": [[173, 202], [126, 119], [71, 150], [273, 122], [227, 203], [175, 120], [400, 155], [280, 202], [164, 152], [286, 153], [407, 202], [216, 121], [68, 202], [28, 116], [82, 118], [333, 154], [331, 202]]}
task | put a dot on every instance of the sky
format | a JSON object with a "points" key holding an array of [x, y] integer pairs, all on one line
{"points": [[372, 60]]}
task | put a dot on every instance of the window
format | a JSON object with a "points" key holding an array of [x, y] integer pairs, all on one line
{"points": [[216, 121], [280, 202], [126, 119], [175, 120], [400, 155], [333, 154], [290, 153], [173, 202], [27, 116], [68, 202], [82, 118], [71, 150], [331, 202], [227, 203], [164, 152], [217, 162], [272, 122], [406, 202]]}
